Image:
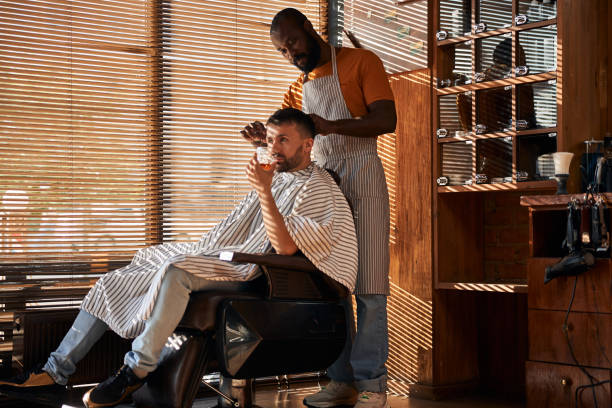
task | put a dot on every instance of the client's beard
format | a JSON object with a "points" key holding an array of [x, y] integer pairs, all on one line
{"points": [[290, 163]]}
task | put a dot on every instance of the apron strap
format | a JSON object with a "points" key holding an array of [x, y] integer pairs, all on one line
{"points": [[333, 61]]}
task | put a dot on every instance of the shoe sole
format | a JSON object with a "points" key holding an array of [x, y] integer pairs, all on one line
{"points": [[90, 404], [387, 405], [19, 387], [335, 404], [35, 381]]}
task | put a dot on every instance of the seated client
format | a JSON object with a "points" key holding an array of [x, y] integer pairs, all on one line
{"points": [[295, 206]]}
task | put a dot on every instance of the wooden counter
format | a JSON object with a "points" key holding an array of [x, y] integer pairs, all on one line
{"points": [[553, 369], [547, 202]]}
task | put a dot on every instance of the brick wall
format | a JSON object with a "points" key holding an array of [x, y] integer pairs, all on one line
{"points": [[506, 237]]}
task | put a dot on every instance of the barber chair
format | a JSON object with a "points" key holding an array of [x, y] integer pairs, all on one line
{"points": [[293, 319]]}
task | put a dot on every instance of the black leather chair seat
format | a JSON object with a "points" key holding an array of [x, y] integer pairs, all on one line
{"points": [[201, 312]]}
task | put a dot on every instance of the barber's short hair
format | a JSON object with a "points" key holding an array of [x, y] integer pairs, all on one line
{"points": [[294, 14], [296, 117]]}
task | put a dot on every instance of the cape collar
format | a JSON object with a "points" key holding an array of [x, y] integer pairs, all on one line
{"points": [[299, 174]]}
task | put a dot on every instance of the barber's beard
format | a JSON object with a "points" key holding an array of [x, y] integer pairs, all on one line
{"points": [[312, 59], [290, 163]]}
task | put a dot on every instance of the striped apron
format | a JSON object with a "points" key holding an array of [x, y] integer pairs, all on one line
{"points": [[362, 180]]}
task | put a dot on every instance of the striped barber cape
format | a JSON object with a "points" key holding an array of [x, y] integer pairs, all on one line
{"points": [[318, 219]]}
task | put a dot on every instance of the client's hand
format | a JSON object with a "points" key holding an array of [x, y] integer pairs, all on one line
{"points": [[259, 178]]}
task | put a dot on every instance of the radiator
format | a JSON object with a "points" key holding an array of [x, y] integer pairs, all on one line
{"points": [[40, 332]]}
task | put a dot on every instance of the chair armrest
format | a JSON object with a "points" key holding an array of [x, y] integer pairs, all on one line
{"points": [[291, 276], [294, 262]]}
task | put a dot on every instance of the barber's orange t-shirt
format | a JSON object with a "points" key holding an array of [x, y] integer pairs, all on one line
{"points": [[362, 80]]}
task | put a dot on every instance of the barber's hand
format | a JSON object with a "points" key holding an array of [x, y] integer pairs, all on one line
{"points": [[322, 126], [255, 133], [259, 178]]}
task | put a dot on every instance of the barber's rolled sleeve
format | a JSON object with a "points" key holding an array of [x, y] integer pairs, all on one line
{"points": [[293, 96], [374, 81]]}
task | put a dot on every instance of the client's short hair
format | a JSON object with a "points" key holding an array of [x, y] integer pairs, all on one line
{"points": [[296, 117]]}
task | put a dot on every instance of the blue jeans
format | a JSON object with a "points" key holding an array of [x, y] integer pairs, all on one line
{"points": [[146, 348], [83, 334], [362, 361]]}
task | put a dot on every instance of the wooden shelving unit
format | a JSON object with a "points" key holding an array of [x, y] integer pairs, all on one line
{"points": [[480, 231], [489, 161]]}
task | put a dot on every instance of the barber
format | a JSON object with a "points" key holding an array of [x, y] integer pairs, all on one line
{"points": [[347, 94]]}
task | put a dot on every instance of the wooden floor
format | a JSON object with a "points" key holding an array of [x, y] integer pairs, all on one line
{"points": [[268, 397], [271, 397]]}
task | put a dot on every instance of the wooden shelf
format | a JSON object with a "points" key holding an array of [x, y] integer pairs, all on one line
{"points": [[536, 131], [456, 139], [496, 135], [455, 40], [500, 187], [493, 33], [474, 137], [525, 79], [536, 24], [501, 287]]}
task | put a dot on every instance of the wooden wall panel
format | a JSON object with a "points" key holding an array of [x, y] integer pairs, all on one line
{"points": [[605, 71], [607, 33], [406, 157], [582, 77], [411, 253]]}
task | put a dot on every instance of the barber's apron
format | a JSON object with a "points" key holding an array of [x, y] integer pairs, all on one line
{"points": [[362, 180]]}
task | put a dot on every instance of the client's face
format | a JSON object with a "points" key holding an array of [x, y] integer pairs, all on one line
{"points": [[287, 146]]}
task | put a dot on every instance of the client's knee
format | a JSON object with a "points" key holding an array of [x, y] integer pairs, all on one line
{"points": [[176, 276]]}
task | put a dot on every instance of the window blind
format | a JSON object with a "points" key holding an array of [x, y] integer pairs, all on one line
{"points": [[396, 32], [77, 144], [119, 129], [220, 72]]}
